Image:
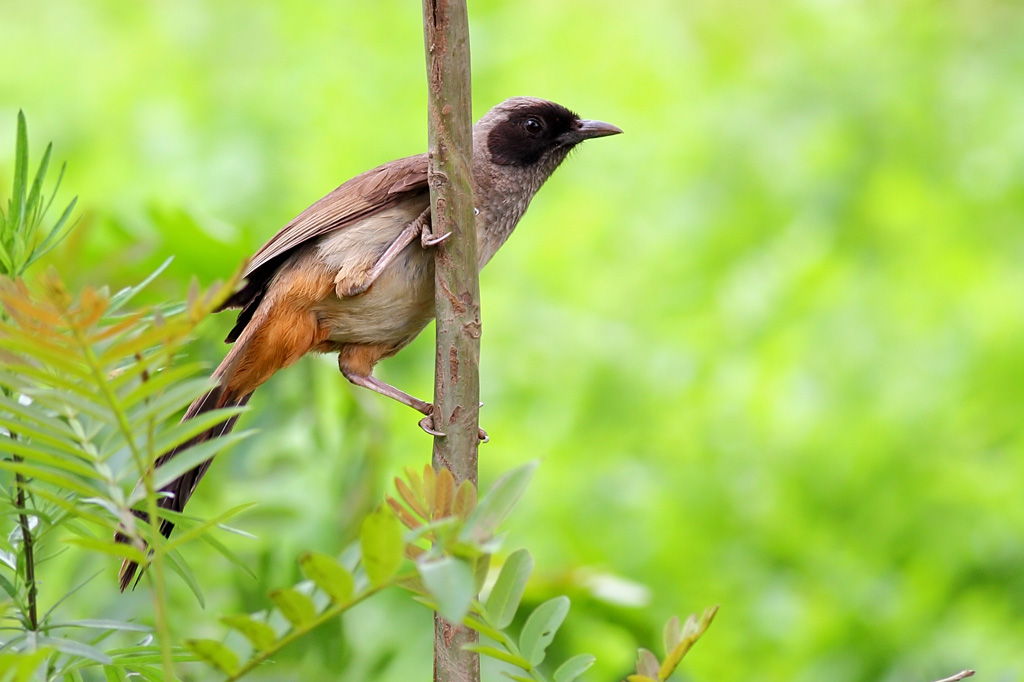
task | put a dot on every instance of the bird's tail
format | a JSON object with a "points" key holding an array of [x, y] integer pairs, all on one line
{"points": [[180, 490]]}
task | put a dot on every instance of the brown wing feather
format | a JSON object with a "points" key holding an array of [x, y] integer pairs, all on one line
{"points": [[361, 196]]}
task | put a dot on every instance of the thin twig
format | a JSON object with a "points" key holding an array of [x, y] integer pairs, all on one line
{"points": [[962, 675], [300, 630]]}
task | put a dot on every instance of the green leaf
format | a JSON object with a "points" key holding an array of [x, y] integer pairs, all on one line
{"points": [[540, 628], [225, 552], [114, 674], [160, 402], [56, 235], [329, 575], [104, 624], [495, 506], [295, 606], [259, 634], [24, 664], [450, 582], [187, 460], [59, 396], [214, 653], [5, 257], [517, 678], [75, 506], [7, 586], [161, 384], [20, 176], [74, 648], [574, 667], [149, 673], [175, 435], [32, 202], [498, 654], [381, 541], [30, 346], [49, 424], [179, 566], [199, 529], [504, 599], [48, 475], [45, 455], [121, 550], [474, 624], [118, 300]]}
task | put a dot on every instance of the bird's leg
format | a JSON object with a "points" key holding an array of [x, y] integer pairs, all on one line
{"points": [[374, 384], [362, 281], [419, 227]]}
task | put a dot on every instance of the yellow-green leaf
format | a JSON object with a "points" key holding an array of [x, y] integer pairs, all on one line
{"points": [[381, 541], [259, 634], [692, 631], [295, 606], [329, 575], [214, 653]]}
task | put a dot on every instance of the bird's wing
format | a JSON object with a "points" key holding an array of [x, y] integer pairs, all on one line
{"points": [[361, 196]]}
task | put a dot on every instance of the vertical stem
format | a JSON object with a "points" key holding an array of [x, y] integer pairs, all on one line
{"points": [[27, 543], [457, 294], [147, 473]]}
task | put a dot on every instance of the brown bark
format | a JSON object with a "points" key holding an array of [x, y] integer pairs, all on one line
{"points": [[456, 387]]}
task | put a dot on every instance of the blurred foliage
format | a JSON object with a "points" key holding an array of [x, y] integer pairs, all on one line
{"points": [[769, 344], [89, 398]]}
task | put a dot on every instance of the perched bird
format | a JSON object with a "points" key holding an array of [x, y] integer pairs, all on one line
{"points": [[344, 276]]}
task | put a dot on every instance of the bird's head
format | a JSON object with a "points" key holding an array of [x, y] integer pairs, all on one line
{"points": [[533, 134]]}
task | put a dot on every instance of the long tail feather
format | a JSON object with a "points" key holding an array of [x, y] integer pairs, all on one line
{"points": [[180, 490]]}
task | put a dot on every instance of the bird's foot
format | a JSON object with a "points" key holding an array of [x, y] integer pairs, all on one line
{"points": [[427, 424], [354, 286], [427, 238]]}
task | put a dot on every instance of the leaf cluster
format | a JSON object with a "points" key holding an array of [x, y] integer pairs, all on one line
{"points": [[23, 239], [449, 540], [89, 394]]}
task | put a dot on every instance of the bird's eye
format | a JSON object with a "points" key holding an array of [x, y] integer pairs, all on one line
{"points": [[533, 125]]}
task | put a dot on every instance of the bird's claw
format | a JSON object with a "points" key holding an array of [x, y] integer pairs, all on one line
{"points": [[428, 240], [427, 424]]}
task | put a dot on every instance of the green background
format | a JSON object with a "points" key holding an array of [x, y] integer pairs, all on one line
{"points": [[768, 344]]}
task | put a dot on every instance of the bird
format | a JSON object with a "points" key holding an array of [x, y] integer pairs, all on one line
{"points": [[345, 276]]}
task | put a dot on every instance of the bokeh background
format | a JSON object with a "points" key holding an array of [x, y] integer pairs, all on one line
{"points": [[768, 344]]}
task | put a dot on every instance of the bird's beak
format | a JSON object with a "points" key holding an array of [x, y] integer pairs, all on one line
{"points": [[588, 129]]}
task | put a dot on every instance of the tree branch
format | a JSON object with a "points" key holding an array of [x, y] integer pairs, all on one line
{"points": [[456, 387]]}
